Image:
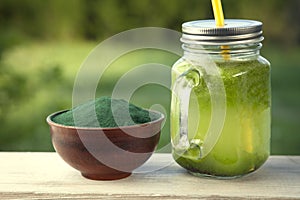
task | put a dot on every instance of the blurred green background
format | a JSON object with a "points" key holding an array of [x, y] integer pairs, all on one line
{"points": [[44, 42]]}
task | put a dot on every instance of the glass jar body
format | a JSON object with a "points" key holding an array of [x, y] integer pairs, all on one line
{"points": [[244, 141]]}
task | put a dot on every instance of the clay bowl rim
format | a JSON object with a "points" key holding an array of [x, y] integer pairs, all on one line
{"points": [[52, 123]]}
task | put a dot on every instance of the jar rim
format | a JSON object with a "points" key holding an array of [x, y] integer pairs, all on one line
{"points": [[235, 31]]}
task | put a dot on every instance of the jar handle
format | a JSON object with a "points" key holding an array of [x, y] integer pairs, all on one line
{"points": [[183, 87]]}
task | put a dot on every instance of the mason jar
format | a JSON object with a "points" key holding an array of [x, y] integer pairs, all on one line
{"points": [[221, 100]]}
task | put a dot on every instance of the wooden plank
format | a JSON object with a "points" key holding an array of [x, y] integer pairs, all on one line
{"points": [[46, 176]]}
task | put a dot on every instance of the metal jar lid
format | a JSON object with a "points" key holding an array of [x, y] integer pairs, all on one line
{"points": [[235, 31]]}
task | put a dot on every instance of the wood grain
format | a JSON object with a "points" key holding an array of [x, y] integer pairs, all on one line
{"points": [[46, 176]]}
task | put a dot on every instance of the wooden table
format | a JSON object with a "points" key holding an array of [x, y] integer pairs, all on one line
{"points": [[46, 176]]}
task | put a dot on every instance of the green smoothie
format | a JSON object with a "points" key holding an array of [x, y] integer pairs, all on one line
{"points": [[243, 145]]}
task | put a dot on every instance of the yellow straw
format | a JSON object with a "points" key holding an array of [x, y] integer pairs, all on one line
{"points": [[219, 18], [218, 12]]}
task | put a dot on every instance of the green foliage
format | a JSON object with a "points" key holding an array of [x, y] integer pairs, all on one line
{"points": [[35, 80], [24, 105], [99, 19], [40, 19], [12, 89]]}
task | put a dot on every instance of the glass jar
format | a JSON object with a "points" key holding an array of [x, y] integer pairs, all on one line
{"points": [[220, 109]]}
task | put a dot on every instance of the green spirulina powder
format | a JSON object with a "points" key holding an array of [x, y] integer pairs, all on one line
{"points": [[109, 113]]}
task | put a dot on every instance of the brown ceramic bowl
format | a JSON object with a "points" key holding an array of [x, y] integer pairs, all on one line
{"points": [[105, 153]]}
